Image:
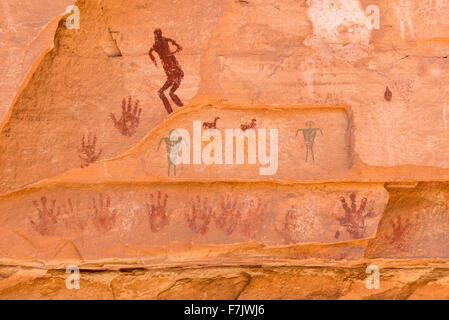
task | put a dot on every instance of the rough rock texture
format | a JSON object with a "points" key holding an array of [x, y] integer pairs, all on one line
{"points": [[310, 145], [242, 53], [414, 224], [400, 280], [27, 29], [84, 85], [160, 214]]}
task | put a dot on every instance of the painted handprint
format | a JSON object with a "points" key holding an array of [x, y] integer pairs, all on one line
{"points": [[229, 216], [289, 226], [354, 219], [87, 151], [103, 216], [129, 121], [400, 233], [254, 218], [47, 214], [200, 215], [157, 213], [71, 217]]}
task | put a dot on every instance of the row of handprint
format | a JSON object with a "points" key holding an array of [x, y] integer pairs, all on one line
{"points": [[225, 215]]}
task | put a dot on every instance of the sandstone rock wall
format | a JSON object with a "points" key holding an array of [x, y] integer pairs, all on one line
{"points": [[414, 224], [78, 84], [311, 282], [310, 130], [27, 29], [239, 54]]}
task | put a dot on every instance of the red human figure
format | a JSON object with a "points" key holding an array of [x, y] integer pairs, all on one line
{"points": [[171, 68]]}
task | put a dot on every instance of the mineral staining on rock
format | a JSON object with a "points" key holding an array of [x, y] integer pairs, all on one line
{"points": [[249, 132]]}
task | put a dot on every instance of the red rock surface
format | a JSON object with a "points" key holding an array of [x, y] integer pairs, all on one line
{"points": [[344, 163], [26, 30]]}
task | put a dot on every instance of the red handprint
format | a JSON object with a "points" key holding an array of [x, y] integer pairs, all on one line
{"points": [[354, 219], [47, 222], [87, 151], [129, 121], [229, 217], [400, 233], [200, 215], [102, 215], [254, 218], [156, 213], [289, 226], [71, 217]]}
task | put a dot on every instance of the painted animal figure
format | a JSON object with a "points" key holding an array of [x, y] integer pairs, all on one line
{"points": [[246, 126], [211, 125]]}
